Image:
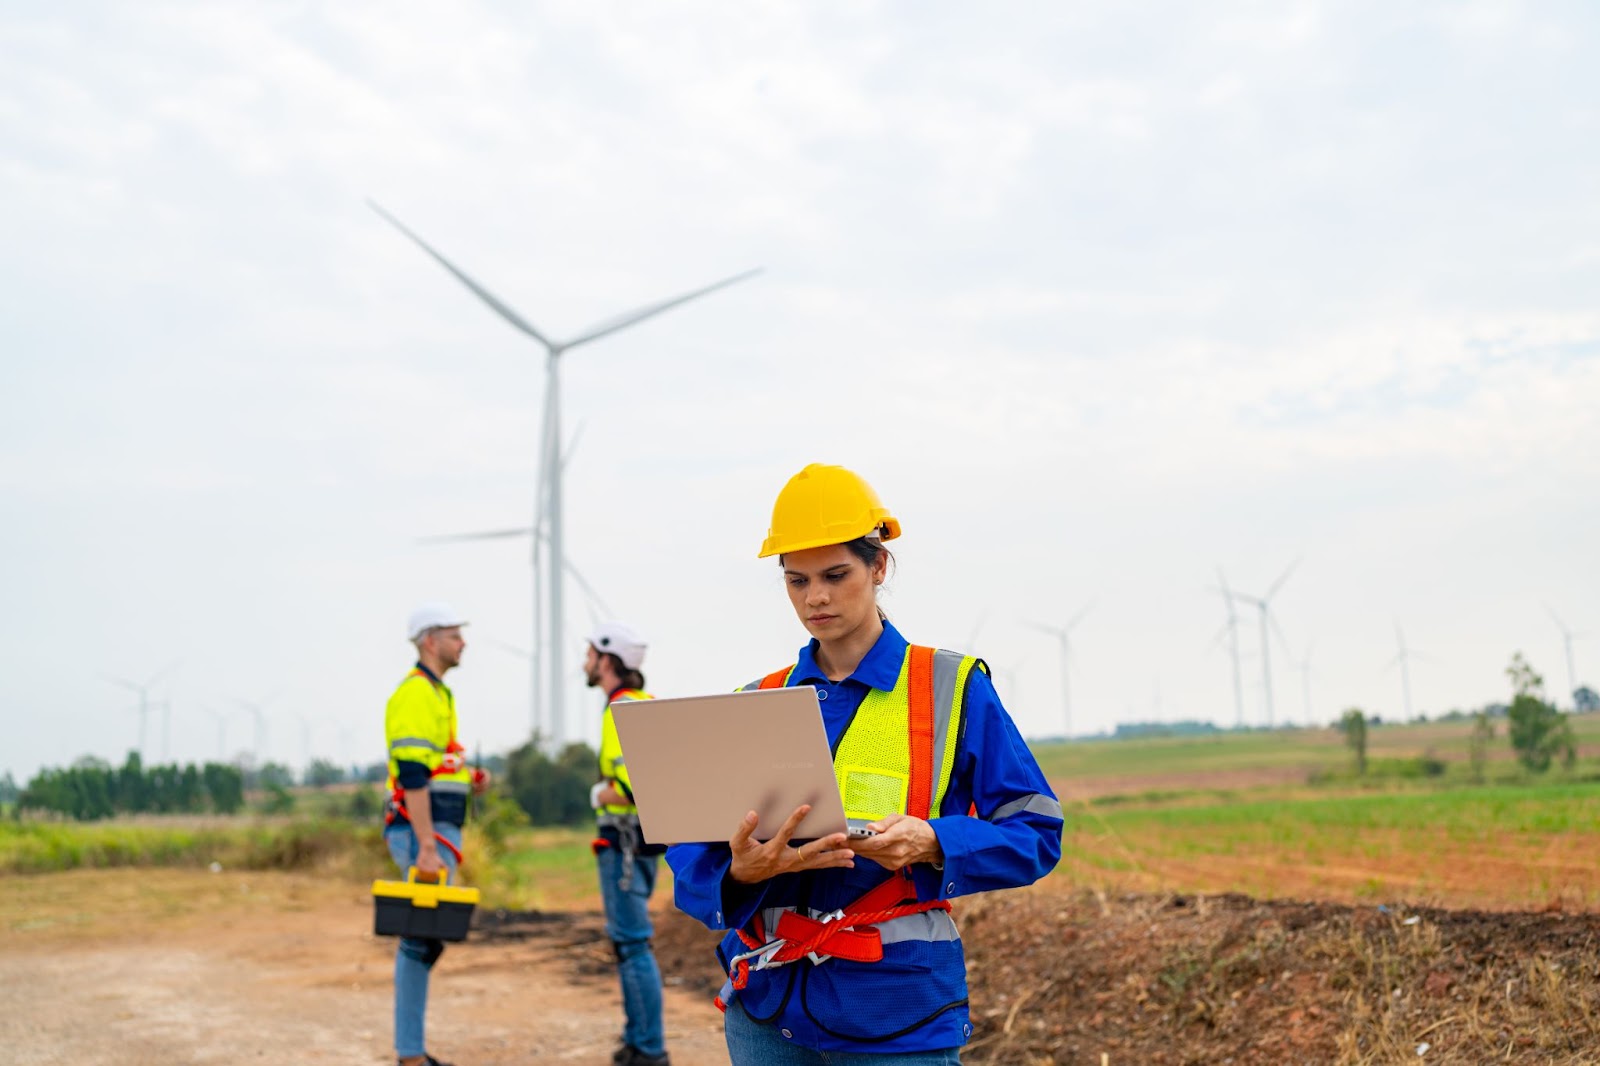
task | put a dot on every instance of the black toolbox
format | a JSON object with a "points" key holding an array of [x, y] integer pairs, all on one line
{"points": [[423, 909]]}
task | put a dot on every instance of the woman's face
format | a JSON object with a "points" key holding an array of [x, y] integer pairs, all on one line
{"points": [[832, 591]]}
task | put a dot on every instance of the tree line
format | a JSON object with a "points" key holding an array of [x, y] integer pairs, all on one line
{"points": [[91, 788], [1539, 733]]}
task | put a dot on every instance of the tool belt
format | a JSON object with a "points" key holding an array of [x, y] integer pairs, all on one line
{"points": [[621, 831]]}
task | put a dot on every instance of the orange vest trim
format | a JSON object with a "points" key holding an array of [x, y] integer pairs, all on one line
{"points": [[778, 678], [919, 794]]}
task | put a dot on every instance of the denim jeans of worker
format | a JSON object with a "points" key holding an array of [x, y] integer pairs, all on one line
{"points": [[751, 1043], [628, 926], [412, 960]]}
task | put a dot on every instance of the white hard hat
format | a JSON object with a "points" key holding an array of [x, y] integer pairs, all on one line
{"points": [[432, 616], [621, 640]]}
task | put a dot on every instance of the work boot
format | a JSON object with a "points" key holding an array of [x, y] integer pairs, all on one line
{"points": [[628, 1055], [426, 1060]]}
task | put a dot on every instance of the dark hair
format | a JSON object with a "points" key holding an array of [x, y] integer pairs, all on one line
{"points": [[629, 678]]}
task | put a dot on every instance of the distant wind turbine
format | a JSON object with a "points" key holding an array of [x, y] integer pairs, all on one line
{"points": [[1567, 637], [1304, 667], [145, 706], [548, 496], [1403, 660], [1063, 635], [222, 732], [259, 711], [1231, 630], [1263, 604]]}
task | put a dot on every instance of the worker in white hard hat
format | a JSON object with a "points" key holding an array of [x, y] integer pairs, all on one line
{"points": [[429, 783], [627, 865]]}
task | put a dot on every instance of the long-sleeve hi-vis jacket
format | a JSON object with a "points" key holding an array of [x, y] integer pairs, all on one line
{"points": [[420, 726]]}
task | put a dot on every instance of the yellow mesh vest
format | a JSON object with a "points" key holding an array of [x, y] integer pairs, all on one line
{"points": [[873, 760]]}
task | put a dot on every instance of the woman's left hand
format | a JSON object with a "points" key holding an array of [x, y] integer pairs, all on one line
{"points": [[900, 841]]}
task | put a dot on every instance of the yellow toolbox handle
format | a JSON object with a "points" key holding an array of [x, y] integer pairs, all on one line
{"points": [[444, 875]]}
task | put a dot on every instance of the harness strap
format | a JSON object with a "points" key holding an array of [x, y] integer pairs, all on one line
{"points": [[850, 933]]}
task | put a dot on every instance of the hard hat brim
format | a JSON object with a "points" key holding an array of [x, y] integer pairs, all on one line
{"points": [[775, 546]]}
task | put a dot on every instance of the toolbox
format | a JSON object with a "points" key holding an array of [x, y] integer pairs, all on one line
{"points": [[427, 910]]}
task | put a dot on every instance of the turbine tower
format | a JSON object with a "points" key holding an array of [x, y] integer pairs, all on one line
{"points": [[1063, 634], [1264, 605], [222, 732], [1304, 666], [1230, 628], [1567, 637], [548, 495], [1404, 661]]}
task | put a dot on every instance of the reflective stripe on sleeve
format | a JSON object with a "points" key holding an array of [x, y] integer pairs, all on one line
{"points": [[1038, 803], [414, 742]]}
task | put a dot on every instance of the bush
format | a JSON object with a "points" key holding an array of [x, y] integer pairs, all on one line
{"points": [[1538, 731]]}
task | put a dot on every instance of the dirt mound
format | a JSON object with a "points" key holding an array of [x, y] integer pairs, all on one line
{"points": [[1058, 978]]}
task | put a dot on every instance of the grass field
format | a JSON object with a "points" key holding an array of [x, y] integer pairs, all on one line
{"points": [[1273, 815]]}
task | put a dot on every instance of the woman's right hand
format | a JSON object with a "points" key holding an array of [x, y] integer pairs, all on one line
{"points": [[754, 861]]}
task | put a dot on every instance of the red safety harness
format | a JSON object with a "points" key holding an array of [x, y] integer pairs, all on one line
{"points": [[850, 932], [454, 758]]}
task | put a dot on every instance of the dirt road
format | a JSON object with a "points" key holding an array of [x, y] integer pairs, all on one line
{"points": [[133, 967]]}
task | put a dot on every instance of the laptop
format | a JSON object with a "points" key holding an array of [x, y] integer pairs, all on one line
{"points": [[698, 764]]}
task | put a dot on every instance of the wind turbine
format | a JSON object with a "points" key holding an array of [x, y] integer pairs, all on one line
{"points": [[1404, 660], [222, 732], [1304, 667], [1063, 634], [1231, 629], [259, 711], [1567, 637], [143, 691], [548, 497], [1263, 604]]}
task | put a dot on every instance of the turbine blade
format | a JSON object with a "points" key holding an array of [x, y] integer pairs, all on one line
{"points": [[494, 534], [1278, 584], [1079, 616], [1557, 620], [482, 293], [122, 682], [629, 318], [1041, 627]]}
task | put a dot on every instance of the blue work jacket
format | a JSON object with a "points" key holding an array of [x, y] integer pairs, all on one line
{"points": [[915, 998]]}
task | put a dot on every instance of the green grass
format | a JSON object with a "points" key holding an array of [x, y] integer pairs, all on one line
{"points": [[1305, 750], [1460, 814], [254, 844]]}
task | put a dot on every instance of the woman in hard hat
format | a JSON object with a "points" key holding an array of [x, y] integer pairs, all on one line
{"points": [[844, 944]]}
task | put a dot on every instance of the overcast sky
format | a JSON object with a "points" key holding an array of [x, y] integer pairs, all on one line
{"points": [[1098, 296]]}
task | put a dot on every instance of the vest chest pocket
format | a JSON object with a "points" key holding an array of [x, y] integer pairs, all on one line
{"points": [[871, 793]]}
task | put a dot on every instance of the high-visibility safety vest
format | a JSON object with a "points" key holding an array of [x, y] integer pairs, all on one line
{"points": [[613, 767], [420, 725], [895, 757]]}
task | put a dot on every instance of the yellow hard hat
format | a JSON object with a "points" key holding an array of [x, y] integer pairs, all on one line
{"points": [[825, 505]]}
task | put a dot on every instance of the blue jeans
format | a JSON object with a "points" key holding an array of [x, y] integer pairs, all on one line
{"points": [[751, 1043], [414, 958], [628, 926]]}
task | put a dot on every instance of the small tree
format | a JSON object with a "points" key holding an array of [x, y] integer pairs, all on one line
{"points": [[1478, 744], [1585, 699], [1353, 724], [1537, 730]]}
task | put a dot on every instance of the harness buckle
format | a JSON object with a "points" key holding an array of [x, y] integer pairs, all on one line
{"points": [[762, 955], [831, 916]]}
